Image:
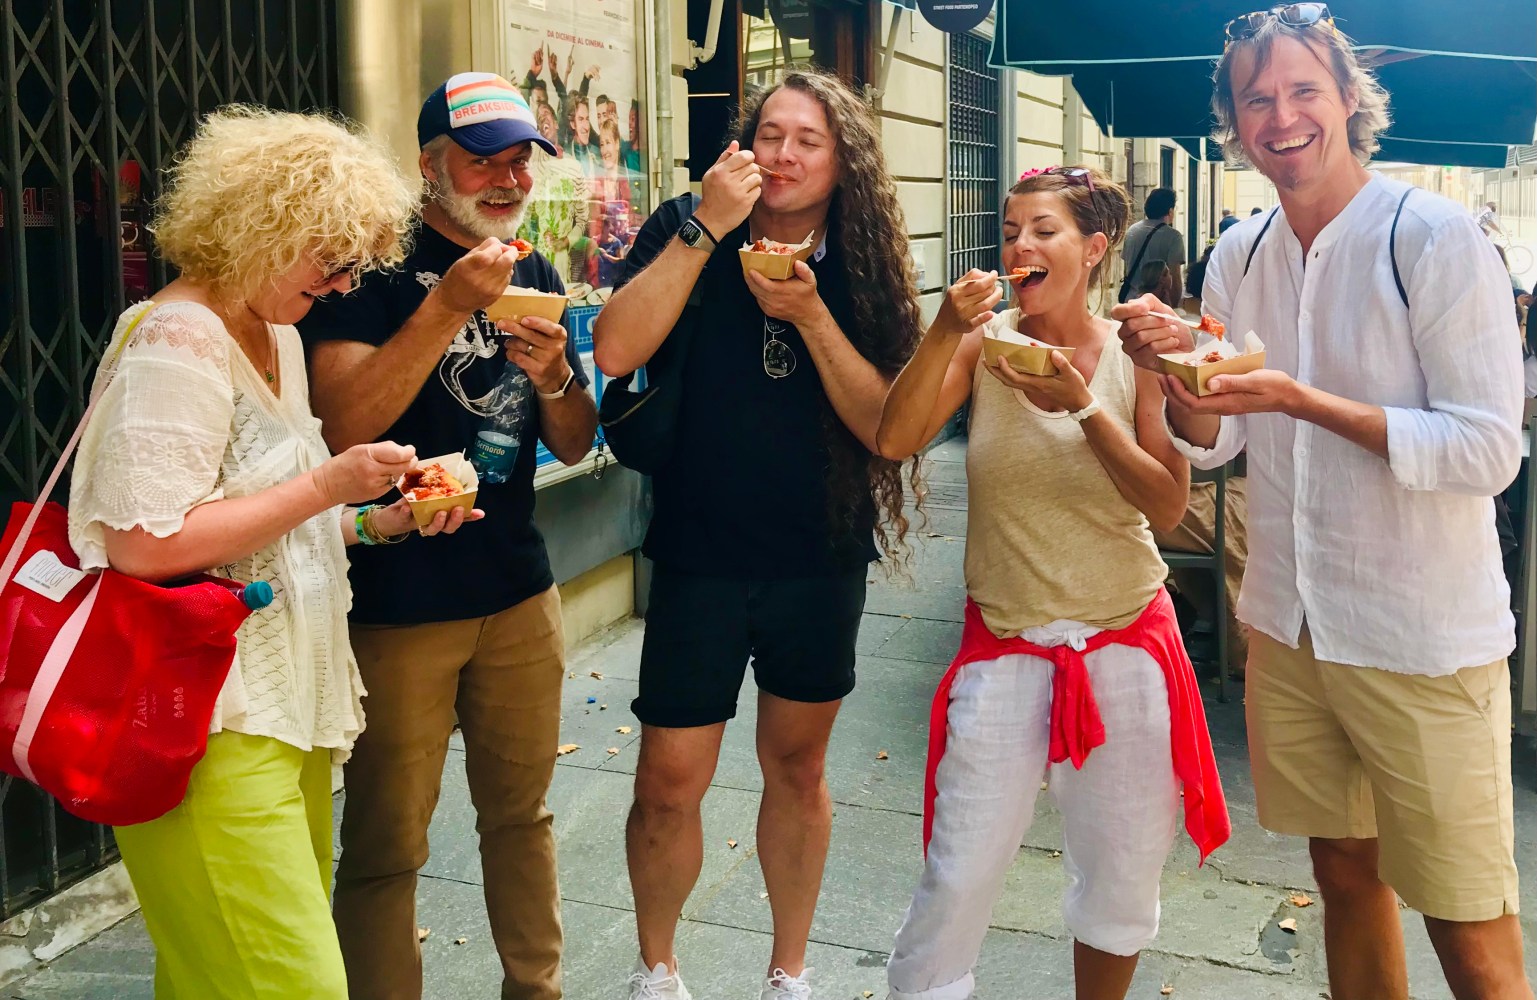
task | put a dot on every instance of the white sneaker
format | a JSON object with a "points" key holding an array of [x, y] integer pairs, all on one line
{"points": [[657, 984], [783, 986]]}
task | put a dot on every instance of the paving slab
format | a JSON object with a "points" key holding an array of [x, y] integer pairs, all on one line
{"points": [[872, 867], [118, 964], [1025, 966], [874, 630], [924, 640]]}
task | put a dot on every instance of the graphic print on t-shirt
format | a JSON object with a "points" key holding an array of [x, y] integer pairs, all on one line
{"points": [[479, 338]]}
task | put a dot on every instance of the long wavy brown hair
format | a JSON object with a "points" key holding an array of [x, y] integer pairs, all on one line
{"points": [[871, 233]]}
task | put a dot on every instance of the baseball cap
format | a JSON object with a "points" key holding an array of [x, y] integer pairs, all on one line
{"points": [[481, 112]]}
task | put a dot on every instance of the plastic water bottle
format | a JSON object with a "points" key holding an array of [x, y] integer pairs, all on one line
{"points": [[496, 444], [255, 595]]}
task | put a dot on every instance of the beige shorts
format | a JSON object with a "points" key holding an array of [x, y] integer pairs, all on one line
{"points": [[1421, 763]]}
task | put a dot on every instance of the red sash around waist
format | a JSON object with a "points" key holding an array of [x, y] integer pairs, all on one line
{"points": [[1076, 727]]}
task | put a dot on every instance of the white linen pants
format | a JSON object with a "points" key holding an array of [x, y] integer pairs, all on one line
{"points": [[1119, 812]]}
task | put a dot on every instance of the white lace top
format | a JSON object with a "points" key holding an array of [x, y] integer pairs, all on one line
{"points": [[188, 420]]}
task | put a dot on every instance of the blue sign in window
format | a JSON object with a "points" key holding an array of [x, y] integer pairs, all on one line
{"points": [[579, 321]]}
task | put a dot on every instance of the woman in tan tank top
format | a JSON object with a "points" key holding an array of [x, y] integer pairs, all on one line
{"points": [[1071, 666]]}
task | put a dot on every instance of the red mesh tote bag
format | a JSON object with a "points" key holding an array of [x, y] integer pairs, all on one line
{"points": [[107, 683]]}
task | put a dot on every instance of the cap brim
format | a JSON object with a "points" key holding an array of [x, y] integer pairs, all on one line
{"points": [[490, 138]]}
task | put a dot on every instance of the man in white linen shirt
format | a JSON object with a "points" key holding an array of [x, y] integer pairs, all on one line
{"points": [[1387, 419]]}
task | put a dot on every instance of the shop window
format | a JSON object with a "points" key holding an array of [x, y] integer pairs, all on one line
{"points": [[759, 40], [829, 34]]}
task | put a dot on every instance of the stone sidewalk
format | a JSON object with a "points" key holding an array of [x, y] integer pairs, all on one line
{"points": [[1221, 938]]}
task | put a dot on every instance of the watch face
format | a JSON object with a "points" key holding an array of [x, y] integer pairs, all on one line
{"points": [[691, 232]]}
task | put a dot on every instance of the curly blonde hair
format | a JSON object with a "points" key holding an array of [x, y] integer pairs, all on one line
{"points": [[256, 193]]}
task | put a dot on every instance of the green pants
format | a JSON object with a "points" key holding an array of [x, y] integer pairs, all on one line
{"points": [[235, 881]]}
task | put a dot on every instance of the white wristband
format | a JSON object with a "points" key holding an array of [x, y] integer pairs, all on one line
{"points": [[561, 393], [1086, 412]]}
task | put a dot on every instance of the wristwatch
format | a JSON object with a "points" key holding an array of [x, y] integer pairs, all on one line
{"points": [[1086, 412], [695, 235], [561, 392]]}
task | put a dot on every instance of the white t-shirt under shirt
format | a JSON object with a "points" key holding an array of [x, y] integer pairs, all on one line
{"points": [[1393, 563]]}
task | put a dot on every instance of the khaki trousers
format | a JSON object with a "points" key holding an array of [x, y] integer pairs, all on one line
{"points": [[1197, 532], [502, 675]]}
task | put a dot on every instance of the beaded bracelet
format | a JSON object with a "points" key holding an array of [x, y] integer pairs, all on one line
{"points": [[358, 525]]}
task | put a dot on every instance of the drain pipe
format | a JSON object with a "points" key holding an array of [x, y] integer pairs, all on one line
{"points": [[699, 55], [878, 96], [661, 21]]}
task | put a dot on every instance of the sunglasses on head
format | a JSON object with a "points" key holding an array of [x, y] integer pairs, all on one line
{"points": [[1073, 175], [1293, 15]]}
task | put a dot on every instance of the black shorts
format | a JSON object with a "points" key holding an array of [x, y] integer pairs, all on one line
{"points": [[701, 631]]}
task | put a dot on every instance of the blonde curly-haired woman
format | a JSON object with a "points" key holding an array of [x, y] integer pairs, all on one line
{"points": [[203, 456]]}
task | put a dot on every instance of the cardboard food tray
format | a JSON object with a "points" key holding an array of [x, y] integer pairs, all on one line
{"points": [[1032, 359], [516, 303], [460, 468], [1195, 377], [777, 266]]}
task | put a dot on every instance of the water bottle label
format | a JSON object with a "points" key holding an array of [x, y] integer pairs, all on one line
{"points": [[494, 456]]}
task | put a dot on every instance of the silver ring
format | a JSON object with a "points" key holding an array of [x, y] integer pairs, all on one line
{"points": [[530, 348]]}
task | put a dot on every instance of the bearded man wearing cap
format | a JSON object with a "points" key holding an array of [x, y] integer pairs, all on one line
{"points": [[472, 631]]}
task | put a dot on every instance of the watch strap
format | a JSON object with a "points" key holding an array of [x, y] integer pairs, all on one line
{"points": [[706, 229], [1086, 412], [564, 388]]}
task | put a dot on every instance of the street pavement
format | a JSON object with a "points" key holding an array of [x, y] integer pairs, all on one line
{"points": [[1227, 928]]}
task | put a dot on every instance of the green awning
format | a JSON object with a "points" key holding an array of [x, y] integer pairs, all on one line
{"points": [[1145, 70], [1035, 36]]}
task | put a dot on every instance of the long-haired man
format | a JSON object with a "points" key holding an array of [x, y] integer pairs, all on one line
{"points": [[761, 544]]}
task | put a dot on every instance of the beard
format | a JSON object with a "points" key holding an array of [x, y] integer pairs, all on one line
{"points": [[464, 209]]}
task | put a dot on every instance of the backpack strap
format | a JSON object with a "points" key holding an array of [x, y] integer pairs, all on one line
{"points": [[1398, 280], [1254, 247], [1135, 269]]}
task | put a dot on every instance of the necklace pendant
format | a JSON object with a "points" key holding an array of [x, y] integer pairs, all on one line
{"points": [[271, 378]]}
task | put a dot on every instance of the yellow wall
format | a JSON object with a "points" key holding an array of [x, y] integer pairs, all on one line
{"points": [[597, 598]]}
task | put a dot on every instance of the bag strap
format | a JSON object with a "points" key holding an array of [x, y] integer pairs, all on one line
{"points": [[8, 568], [1398, 280], [1254, 247], [1136, 264]]}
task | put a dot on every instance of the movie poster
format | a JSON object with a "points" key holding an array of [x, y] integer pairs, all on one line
{"points": [[579, 64]]}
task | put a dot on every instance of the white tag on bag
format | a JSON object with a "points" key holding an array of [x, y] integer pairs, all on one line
{"points": [[46, 575]]}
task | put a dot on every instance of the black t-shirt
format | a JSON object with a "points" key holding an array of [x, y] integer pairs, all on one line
{"points": [[484, 568], [745, 494]]}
